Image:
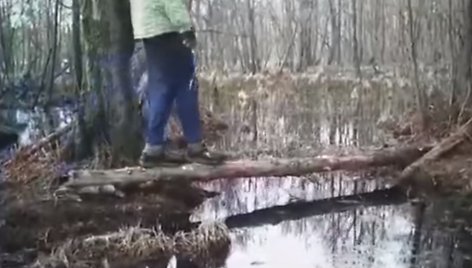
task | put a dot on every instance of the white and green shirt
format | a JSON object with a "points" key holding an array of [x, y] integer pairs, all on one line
{"points": [[155, 17]]}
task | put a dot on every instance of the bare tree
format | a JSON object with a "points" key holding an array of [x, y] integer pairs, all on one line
{"points": [[355, 43], [420, 93]]}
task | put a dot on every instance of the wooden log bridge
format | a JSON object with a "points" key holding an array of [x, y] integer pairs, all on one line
{"points": [[400, 157]]}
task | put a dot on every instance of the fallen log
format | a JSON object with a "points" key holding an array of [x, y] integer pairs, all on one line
{"points": [[303, 209], [408, 181], [247, 168]]}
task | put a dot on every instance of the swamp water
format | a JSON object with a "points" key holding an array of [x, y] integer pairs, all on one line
{"points": [[374, 235], [362, 234]]}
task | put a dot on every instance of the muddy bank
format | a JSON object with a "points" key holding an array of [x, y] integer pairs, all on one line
{"points": [[44, 225], [446, 170], [447, 177]]}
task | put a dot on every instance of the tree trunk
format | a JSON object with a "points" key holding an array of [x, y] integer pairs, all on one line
{"points": [[80, 131], [382, 49], [306, 32], [355, 42], [112, 116], [464, 81], [254, 60], [454, 107], [421, 99], [335, 34]]}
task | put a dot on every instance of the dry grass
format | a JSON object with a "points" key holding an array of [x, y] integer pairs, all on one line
{"points": [[27, 166], [208, 246], [36, 161]]}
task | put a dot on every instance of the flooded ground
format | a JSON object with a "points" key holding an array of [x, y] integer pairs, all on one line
{"points": [[375, 234], [360, 231], [370, 237]]}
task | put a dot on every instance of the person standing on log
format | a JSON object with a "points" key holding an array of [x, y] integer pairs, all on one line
{"points": [[168, 36]]}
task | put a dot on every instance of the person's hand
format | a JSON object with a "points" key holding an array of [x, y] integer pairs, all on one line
{"points": [[189, 38]]}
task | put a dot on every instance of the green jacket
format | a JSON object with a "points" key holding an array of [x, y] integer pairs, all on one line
{"points": [[155, 17]]}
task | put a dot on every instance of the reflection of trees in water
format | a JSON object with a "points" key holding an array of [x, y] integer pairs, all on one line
{"points": [[443, 237], [359, 237], [350, 236], [353, 238], [463, 256], [341, 232], [245, 195], [313, 118], [418, 219]]}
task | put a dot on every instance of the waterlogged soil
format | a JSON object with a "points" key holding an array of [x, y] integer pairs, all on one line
{"points": [[32, 227], [353, 232]]}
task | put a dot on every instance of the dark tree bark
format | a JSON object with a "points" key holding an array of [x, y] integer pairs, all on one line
{"points": [[76, 43], [335, 34], [306, 32], [254, 62], [112, 116], [80, 131]]}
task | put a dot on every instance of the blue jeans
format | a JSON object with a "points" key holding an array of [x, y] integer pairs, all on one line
{"points": [[171, 71]]}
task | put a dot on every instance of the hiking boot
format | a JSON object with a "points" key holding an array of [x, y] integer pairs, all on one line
{"points": [[167, 158], [198, 153]]}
